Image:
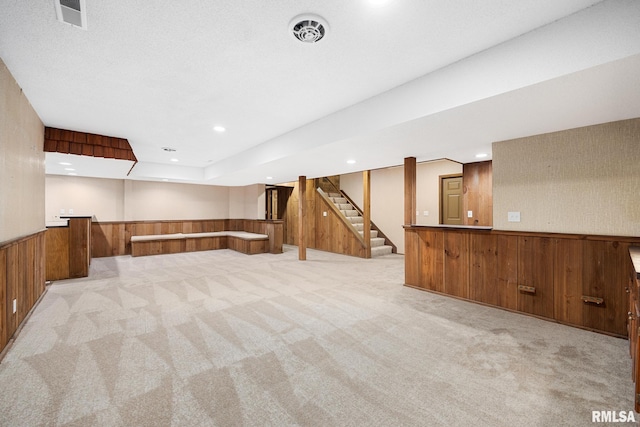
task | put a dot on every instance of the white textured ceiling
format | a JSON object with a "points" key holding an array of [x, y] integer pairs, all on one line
{"points": [[430, 79]]}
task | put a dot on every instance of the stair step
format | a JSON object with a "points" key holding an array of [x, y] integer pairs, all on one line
{"points": [[350, 213], [356, 219], [344, 206], [335, 195], [339, 200], [377, 242], [359, 227], [381, 250], [374, 233]]}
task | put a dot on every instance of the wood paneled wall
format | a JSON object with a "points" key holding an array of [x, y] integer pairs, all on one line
{"points": [[68, 252], [114, 238], [478, 193], [22, 278], [574, 279], [327, 233], [87, 144]]}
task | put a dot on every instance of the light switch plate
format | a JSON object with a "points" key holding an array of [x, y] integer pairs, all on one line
{"points": [[513, 216], [324, 213], [469, 214], [70, 211]]}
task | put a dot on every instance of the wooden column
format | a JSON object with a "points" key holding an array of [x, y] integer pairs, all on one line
{"points": [[302, 220], [366, 211], [409, 190]]}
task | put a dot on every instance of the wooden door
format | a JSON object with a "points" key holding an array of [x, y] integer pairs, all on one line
{"points": [[451, 201]]}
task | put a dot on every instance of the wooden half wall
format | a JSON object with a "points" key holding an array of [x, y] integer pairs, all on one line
{"points": [[114, 238], [579, 280], [22, 278]]}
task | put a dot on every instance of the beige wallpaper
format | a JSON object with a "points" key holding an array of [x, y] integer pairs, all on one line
{"points": [[387, 195], [21, 162], [584, 180]]}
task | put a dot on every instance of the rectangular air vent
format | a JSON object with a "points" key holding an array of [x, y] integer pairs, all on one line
{"points": [[72, 12]]}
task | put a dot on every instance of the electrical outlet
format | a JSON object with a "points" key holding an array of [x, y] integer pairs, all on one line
{"points": [[61, 211], [70, 211], [15, 306], [324, 213], [513, 216]]}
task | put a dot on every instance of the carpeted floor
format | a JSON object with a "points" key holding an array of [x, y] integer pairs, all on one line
{"points": [[222, 338]]}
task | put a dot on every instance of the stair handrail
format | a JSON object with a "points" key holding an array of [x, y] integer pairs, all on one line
{"points": [[342, 217], [387, 241]]}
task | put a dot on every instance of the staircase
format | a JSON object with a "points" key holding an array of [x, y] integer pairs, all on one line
{"points": [[378, 247]]}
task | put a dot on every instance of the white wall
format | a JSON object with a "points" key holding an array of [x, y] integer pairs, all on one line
{"points": [[103, 198], [22, 209], [247, 202], [387, 195], [127, 200]]}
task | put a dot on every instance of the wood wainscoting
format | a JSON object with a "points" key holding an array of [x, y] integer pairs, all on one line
{"points": [[22, 278], [114, 238], [576, 280]]}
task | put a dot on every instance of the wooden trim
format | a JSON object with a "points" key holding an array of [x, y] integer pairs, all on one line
{"points": [[366, 215], [302, 223], [626, 239], [409, 190]]}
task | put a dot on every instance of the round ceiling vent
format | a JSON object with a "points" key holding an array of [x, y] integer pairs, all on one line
{"points": [[308, 28]]}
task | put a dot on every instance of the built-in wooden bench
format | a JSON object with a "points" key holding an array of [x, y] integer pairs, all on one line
{"points": [[241, 241]]}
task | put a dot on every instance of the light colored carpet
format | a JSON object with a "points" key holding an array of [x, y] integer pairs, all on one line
{"points": [[222, 338]]}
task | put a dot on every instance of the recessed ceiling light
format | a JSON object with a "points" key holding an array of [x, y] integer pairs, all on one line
{"points": [[219, 128], [69, 169], [481, 155], [65, 163], [174, 160], [165, 179], [351, 161], [72, 173], [269, 177]]}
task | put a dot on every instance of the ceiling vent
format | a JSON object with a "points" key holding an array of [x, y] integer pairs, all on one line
{"points": [[308, 28], [73, 12]]}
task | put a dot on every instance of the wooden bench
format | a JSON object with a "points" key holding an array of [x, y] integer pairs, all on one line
{"points": [[241, 241]]}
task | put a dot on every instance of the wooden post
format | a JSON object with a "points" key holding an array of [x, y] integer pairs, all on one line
{"points": [[409, 190], [302, 220], [366, 211]]}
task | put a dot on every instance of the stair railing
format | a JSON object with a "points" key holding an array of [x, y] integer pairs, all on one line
{"points": [[387, 241], [340, 215]]}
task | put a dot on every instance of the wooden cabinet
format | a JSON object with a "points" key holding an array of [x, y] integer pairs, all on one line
{"points": [[577, 280]]}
